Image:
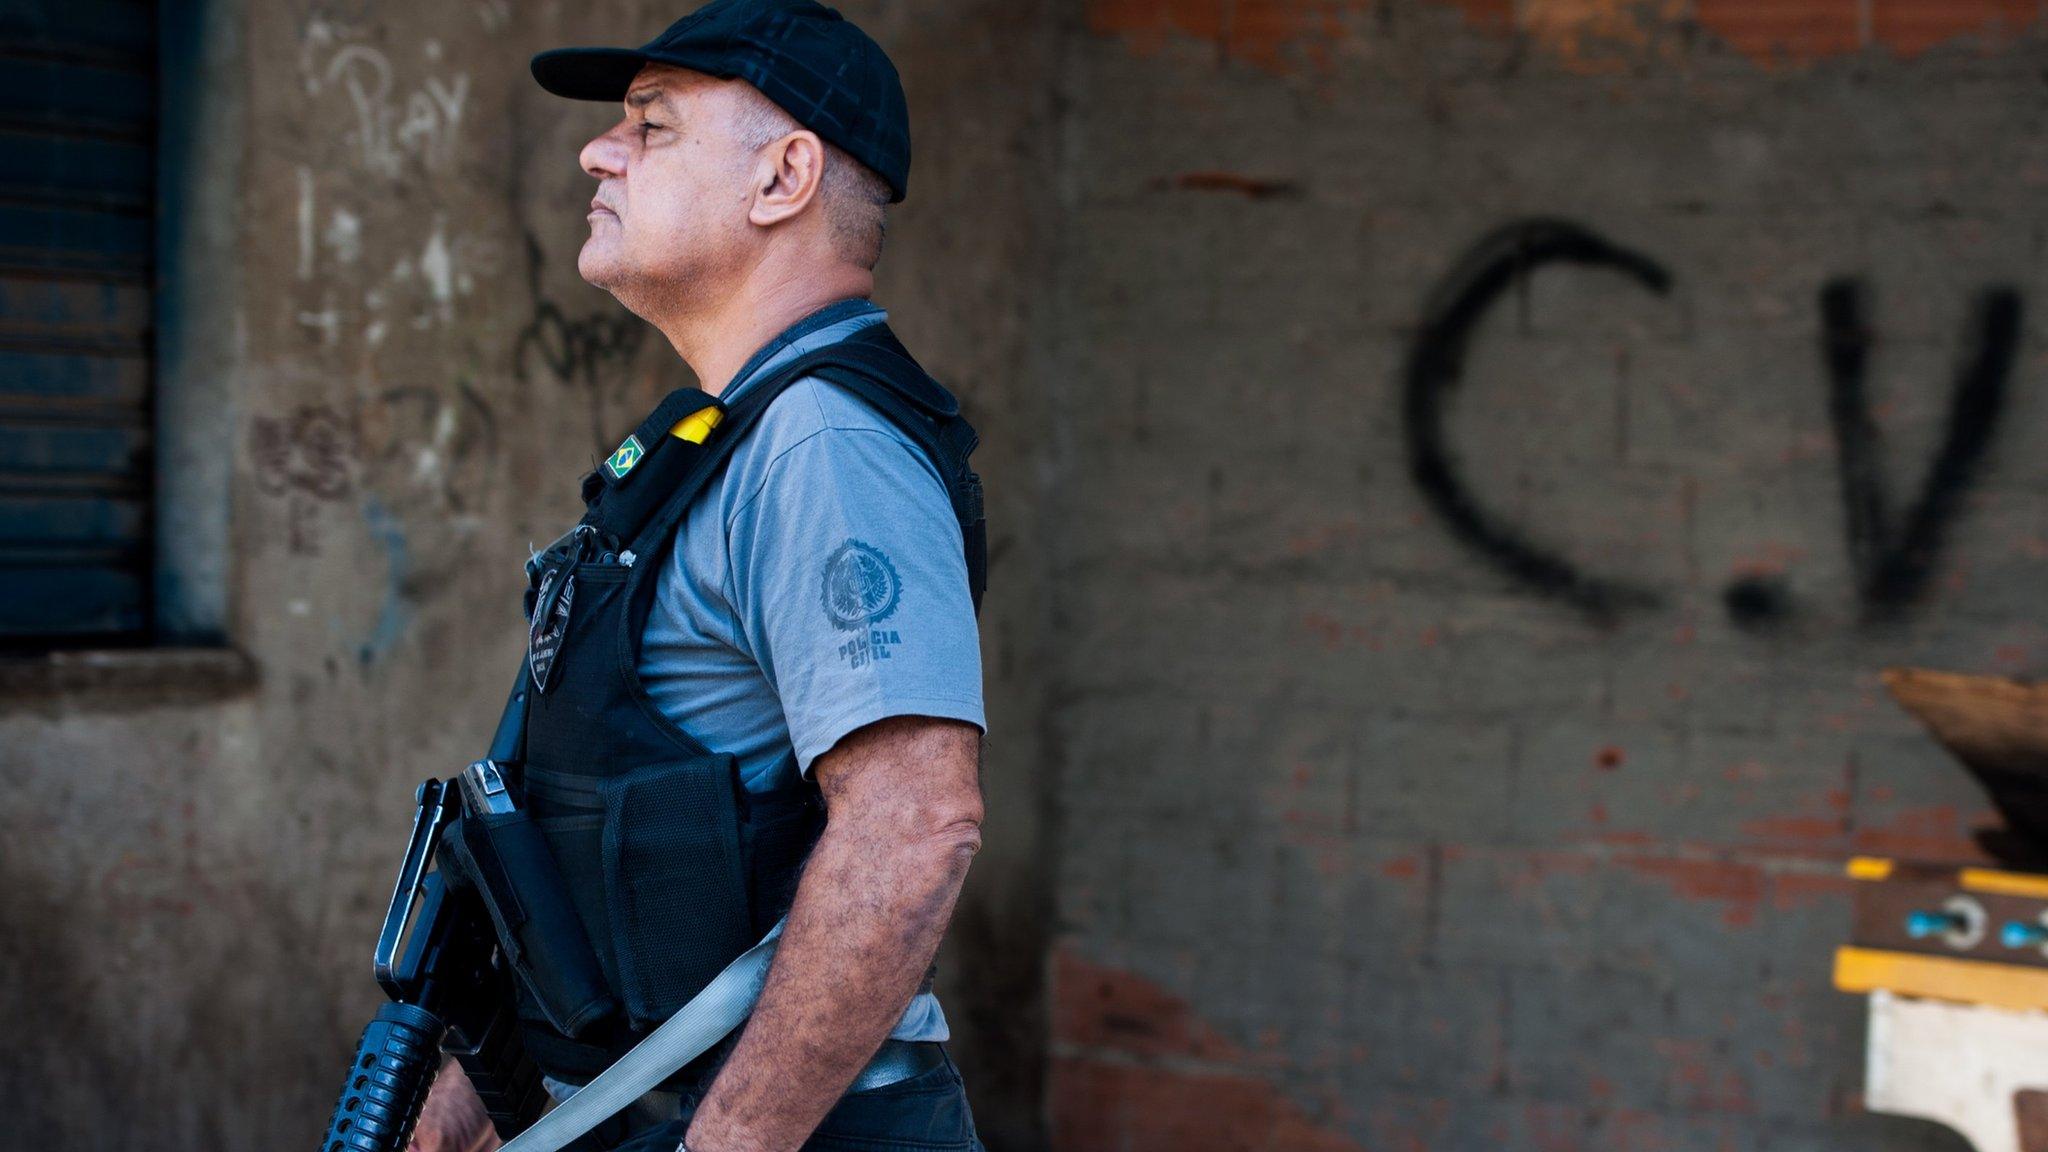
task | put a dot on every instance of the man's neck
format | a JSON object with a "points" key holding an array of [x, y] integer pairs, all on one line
{"points": [[716, 344]]}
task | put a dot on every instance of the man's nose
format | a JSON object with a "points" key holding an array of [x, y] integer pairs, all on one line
{"points": [[605, 156]]}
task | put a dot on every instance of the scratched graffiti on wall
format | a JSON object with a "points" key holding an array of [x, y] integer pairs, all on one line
{"points": [[1895, 556], [440, 442], [306, 457], [393, 124], [397, 130]]}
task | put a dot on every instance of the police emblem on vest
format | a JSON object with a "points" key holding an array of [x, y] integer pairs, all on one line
{"points": [[638, 866]]}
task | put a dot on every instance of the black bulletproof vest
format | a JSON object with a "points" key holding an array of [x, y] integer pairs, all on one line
{"points": [[672, 867]]}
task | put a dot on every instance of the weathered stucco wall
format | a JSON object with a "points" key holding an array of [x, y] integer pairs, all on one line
{"points": [[1381, 832], [418, 380]]}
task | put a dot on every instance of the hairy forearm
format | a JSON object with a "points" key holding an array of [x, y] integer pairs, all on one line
{"points": [[873, 903], [453, 1119]]}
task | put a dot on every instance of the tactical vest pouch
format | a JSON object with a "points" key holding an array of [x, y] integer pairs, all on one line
{"points": [[674, 880], [514, 873], [780, 829]]}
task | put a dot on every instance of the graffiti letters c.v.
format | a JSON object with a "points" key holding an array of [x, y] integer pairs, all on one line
{"points": [[1436, 364], [1894, 559]]}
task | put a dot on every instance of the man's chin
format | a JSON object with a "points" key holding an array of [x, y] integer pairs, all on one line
{"points": [[598, 266]]}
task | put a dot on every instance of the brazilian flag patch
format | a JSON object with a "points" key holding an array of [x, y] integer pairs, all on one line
{"points": [[623, 460]]}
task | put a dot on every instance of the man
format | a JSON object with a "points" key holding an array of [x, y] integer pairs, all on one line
{"points": [[812, 622]]}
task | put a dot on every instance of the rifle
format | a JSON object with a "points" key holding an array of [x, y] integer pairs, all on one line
{"points": [[451, 990]]}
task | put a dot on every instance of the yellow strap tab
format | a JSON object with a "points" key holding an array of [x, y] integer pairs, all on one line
{"points": [[697, 426]]}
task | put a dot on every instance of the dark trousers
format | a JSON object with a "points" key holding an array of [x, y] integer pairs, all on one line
{"points": [[926, 1113]]}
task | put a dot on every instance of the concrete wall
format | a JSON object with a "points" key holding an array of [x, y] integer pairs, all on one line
{"points": [[1337, 803], [1500, 803], [409, 379]]}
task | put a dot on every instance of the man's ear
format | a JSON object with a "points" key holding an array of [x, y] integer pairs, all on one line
{"points": [[790, 174]]}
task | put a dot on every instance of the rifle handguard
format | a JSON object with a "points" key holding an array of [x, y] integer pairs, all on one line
{"points": [[387, 1082]]}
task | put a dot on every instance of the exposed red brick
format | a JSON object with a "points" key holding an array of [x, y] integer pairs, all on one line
{"points": [[1146, 23], [1590, 35], [1532, 868], [1099, 1107], [1113, 1103], [1495, 16], [1806, 831], [1700, 1081], [1104, 1008], [1419, 1127], [1936, 833], [1268, 34], [1738, 887], [1795, 890], [1621, 839], [1250, 187], [1783, 31], [1910, 27]]}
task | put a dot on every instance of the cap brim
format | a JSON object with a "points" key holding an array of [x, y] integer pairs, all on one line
{"points": [[589, 73]]}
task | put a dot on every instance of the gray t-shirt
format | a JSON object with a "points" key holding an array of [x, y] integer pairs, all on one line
{"points": [[817, 586]]}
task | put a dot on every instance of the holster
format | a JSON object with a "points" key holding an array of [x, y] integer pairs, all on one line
{"points": [[506, 859]]}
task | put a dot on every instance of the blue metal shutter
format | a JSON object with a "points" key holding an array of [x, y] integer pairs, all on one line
{"points": [[77, 179]]}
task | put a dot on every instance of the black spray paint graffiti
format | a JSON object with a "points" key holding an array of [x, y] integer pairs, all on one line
{"points": [[1437, 364], [577, 352], [1894, 561]]}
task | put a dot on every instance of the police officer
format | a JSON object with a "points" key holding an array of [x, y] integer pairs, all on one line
{"points": [[806, 623]]}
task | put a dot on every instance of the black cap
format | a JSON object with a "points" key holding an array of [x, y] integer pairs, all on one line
{"points": [[809, 59]]}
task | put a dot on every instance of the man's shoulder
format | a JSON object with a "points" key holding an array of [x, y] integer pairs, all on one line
{"points": [[815, 418], [812, 405]]}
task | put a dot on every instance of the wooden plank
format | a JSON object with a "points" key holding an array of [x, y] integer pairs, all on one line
{"points": [[1986, 718], [102, 173], [47, 522], [74, 315], [66, 96], [1941, 978], [59, 601], [1998, 729], [113, 29], [51, 239], [28, 450], [52, 377], [78, 105]]}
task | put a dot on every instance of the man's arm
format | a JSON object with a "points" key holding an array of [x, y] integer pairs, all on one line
{"points": [[903, 807], [453, 1119]]}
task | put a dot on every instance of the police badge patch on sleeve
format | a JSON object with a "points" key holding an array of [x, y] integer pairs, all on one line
{"points": [[550, 624], [861, 590]]}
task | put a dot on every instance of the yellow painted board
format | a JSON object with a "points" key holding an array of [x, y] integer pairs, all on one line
{"points": [[1971, 879], [2005, 883], [1941, 978]]}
